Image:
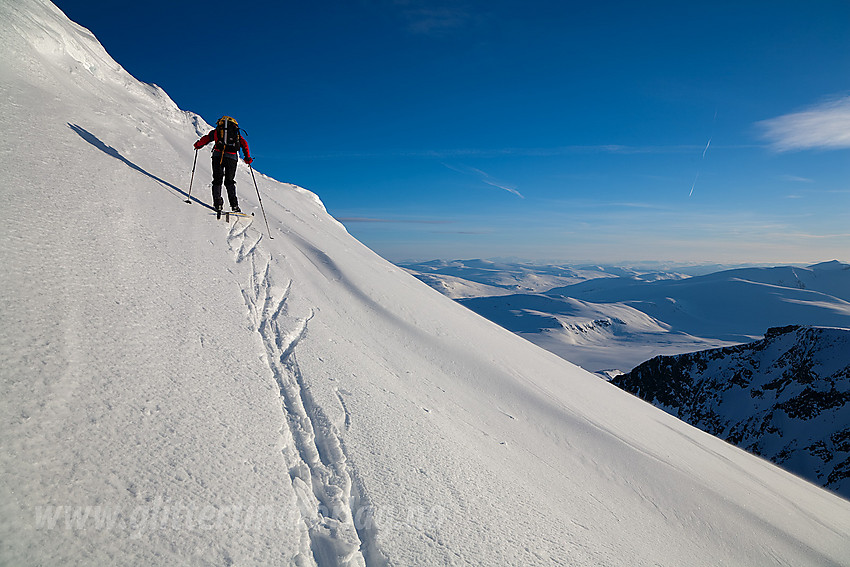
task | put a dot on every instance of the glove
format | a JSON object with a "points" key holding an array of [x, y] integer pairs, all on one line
{"points": [[248, 160], [199, 145]]}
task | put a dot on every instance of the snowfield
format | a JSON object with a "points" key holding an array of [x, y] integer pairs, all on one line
{"points": [[178, 390]]}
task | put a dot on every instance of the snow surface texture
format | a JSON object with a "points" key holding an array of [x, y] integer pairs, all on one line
{"points": [[612, 319], [178, 390], [784, 398]]}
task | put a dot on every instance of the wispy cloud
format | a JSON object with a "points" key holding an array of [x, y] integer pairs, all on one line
{"points": [[817, 236], [796, 179], [822, 126], [497, 184], [486, 178], [653, 206], [463, 232], [430, 21], [397, 221], [459, 153], [426, 17]]}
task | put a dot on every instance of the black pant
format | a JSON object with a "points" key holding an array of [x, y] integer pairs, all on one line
{"points": [[224, 169]]}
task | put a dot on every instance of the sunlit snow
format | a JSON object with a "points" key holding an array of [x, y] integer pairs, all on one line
{"points": [[179, 390]]}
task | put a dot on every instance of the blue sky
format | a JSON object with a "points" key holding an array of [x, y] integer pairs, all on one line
{"points": [[603, 131]]}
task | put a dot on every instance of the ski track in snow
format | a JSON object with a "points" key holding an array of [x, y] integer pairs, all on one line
{"points": [[337, 517]]}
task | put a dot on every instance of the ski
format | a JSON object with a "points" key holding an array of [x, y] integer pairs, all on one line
{"points": [[228, 214]]}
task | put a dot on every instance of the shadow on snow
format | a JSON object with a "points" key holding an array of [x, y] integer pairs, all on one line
{"points": [[109, 150]]}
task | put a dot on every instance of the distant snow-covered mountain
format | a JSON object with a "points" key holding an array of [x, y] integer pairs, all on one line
{"points": [[733, 305], [785, 398], [617, 318], [477, 278], [597, 336]]}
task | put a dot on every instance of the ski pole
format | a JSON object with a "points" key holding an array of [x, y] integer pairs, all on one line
{"points": [[189, 196], [261, 201]]}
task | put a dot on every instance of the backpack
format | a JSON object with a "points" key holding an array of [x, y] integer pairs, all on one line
{"points": [[227, 134]]}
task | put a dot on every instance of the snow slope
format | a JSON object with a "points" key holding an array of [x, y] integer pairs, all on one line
{"points": [[179, 390]]}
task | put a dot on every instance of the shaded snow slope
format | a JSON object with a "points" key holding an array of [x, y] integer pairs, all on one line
{"points": [[180, 390]]}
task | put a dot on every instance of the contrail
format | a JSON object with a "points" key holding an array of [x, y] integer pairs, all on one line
{"points": [[700, 168], [485, 178], [704, 151], [694, 184]]}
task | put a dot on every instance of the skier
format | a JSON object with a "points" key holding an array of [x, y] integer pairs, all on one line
{"points": [[228, 142]]}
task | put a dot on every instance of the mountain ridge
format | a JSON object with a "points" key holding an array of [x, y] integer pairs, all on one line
{"points": [[782, 397]]}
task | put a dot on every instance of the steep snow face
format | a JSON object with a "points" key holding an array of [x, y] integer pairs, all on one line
{"points": [[140, 424], [181, 390], [784, 398]]}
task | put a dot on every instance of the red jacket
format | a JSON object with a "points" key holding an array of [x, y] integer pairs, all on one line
{"points": [[218, 147]]}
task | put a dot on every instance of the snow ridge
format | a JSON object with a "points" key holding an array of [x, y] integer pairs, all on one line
{"points": [[331, 501]]}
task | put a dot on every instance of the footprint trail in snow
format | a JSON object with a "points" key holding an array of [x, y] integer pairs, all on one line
{"points": [[313, 451]]}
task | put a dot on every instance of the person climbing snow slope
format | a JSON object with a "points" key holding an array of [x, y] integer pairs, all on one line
{"points": [[225, 156]]}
